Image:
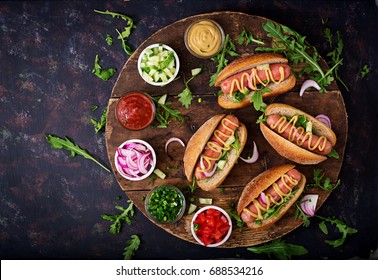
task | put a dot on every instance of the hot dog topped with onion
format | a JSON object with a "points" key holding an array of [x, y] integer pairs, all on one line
{"points": [[242, 78], [267, 197], [213, 150], [297, 135]]}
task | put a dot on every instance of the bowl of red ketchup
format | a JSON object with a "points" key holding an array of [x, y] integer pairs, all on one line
{"points": [[135, 110]]}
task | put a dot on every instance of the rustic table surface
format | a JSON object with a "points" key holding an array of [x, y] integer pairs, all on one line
{"points": [[51, 203]]}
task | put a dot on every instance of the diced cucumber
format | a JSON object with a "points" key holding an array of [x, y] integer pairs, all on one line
{"points": [[221, 164], [196, 71], [203, 200], [159, 173], [192, 208], [162, 99], [309, 126], [230, 140]]}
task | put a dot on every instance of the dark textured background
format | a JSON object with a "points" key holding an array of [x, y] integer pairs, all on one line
{"points": [[50, 204]]}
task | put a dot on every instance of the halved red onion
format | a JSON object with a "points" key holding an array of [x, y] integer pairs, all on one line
{"points": [[307, 84], [308, 204], [173, 139], [254, 157], [324, 119]]}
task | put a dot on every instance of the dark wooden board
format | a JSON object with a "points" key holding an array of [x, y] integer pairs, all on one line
{"points": [[313, 102]]}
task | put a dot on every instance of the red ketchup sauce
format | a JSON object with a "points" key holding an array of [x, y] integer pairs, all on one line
{"points": [[135, 110]]}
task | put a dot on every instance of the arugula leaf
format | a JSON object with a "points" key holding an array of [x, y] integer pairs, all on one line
{"points": [[298, 51], [257, 98], [299, 214], [247, 37], [104, 74], [228, 49], [109, 39], [280, 249], [60, 143], [127, 30], [234, 215], [165, 114], [99, 125], [364, 71], [344, 229], [117, 219], [326, 185], [131, 246], [186, 96]]}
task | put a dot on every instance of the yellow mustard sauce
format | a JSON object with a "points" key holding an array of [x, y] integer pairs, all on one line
{"points": [[302, 135], [252, 78], [215, 147], [269, 198], [204, 38]]}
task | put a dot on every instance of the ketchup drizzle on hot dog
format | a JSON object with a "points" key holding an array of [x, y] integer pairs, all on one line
{"points": [[298, 135], [216, 145], [275, 194]]}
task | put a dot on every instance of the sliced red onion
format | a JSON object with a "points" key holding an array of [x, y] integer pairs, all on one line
{"points": [[307, 84], [308, 204], [262, 198], [254, 157], [173, 139], [211, 173], [324, 119], [134, 160]]}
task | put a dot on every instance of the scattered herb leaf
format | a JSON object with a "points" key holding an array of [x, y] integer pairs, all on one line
{"points": [[117, 219], [280, 249], [365, 70], [109, 39], [247, 37], [340, 225], [132, 245], [186, 97], [326, 185], [101, 124], [104, 74], [165, 114], [67, 144]]}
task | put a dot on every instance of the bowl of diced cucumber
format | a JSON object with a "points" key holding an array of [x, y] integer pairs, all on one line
{"points": [[158, 64]]}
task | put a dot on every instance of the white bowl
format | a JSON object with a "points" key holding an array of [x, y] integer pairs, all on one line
{"points": [[124, 174], [177, 64], [224, 213]]}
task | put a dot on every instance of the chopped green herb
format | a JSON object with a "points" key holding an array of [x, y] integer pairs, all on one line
{"points": [[165, 114]]}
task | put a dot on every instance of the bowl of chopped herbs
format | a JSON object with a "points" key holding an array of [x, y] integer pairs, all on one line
{"points": [[165, 204]]}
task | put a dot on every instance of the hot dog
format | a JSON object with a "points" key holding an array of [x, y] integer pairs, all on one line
{"points": [[214, 141], [297, 135], [267, 197], [241, 78]]}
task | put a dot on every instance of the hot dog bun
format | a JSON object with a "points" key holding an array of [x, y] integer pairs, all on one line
{"points": [[259, 184], [246, 63], [196, 145], [288, 149]]}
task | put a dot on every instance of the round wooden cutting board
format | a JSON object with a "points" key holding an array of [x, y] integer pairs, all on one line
{"points": [[330, 103]]}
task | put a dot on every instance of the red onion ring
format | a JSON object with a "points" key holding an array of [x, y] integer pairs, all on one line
{"points": [[262, 198], [254, 157], [211, 173], [308, 204], [173, 139], [307, 84], [324, 119]]}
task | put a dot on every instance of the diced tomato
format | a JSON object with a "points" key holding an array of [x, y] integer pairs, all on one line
{"points": [[212, 226]]}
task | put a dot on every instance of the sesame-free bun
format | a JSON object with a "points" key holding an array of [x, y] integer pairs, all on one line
{"points": [[288, 149], [196, 145]]}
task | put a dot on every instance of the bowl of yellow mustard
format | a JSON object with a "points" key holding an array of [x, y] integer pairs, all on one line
{"points": [[204, 38]]}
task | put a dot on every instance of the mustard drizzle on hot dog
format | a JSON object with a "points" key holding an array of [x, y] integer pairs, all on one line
{"points": [[215, 147], [269, 198], [253, 78], [302, 135]]}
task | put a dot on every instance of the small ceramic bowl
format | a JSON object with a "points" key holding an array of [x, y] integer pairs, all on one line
{"points": [[153, 68], [127, 156], [165, 204], [224, 237]]}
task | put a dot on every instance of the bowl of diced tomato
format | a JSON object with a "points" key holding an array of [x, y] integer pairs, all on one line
{"points": [[211, 226]]}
